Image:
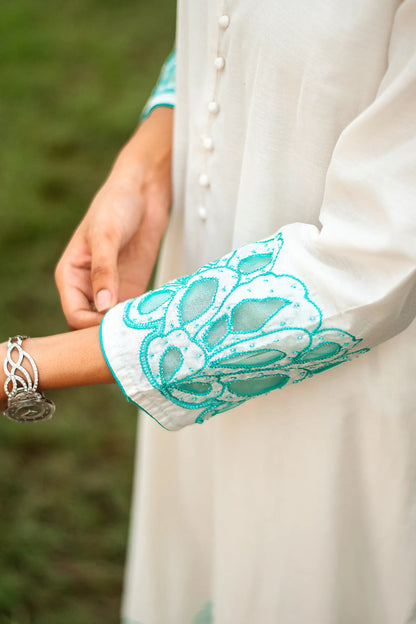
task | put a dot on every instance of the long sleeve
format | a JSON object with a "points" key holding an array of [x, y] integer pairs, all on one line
{"points": [[307, 298], [164, 92]]}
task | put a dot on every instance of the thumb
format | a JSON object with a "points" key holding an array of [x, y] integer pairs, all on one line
{"points": [[104, 270]]}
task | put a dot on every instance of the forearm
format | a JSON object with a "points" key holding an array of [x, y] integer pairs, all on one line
{"points": [[139, 160], [64, 360]]}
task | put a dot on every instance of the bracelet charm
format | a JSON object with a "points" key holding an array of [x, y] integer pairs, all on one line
{"points": [[25, 403]]}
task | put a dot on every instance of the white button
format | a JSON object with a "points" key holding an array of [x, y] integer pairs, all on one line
{"points": [[219, 63], [202, 212], [208, 143], [213, 107], [224, 21], [203, 180]]}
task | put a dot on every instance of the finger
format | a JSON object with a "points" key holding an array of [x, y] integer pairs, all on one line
{"points": [[81, 319], [76, 295], [77, 308], [104, 272]]}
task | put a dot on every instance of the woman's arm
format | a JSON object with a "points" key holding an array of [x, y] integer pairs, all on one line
{"points": [[112, 253]]}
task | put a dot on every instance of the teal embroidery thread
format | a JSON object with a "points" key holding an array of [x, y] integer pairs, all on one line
{"points": [[214, 340], [205, 615], [164, 92]]}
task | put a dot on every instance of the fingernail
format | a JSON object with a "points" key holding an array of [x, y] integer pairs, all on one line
{"points": [[103, 300]]}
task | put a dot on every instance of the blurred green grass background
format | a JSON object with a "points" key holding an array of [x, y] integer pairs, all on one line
{"points": [[74, 76]]}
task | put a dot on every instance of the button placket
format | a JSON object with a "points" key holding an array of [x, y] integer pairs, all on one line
{"points": [[213, 109]]}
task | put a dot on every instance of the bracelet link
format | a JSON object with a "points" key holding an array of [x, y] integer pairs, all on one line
{"points": [[25, 403]]}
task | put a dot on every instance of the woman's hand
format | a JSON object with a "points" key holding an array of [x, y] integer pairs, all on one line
{"points": [[113, 251]]}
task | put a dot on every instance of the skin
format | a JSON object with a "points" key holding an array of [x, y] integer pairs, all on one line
{"points": [[109, 258]]}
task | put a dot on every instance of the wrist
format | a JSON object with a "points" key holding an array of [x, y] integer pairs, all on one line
{"points": [[70, 359]]}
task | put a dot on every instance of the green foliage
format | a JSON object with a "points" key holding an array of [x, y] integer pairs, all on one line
{"points": [[74, 77]]}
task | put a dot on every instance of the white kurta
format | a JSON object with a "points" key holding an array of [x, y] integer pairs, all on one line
{"points": [[299, 505]]}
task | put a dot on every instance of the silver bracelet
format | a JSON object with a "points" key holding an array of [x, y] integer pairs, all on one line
{"points": [[25, 403]]}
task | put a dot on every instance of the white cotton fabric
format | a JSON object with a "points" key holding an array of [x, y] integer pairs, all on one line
{"points": [[299, 505]]}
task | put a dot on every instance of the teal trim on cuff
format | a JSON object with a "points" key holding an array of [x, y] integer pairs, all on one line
{"points": [[122, 388], [145, 114]]}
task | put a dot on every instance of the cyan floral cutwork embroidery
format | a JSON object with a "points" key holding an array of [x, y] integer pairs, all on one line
{"points": [[164, 92], [233, 330]]}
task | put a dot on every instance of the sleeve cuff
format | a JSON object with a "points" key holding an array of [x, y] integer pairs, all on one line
{"points": [[120, 345]]}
